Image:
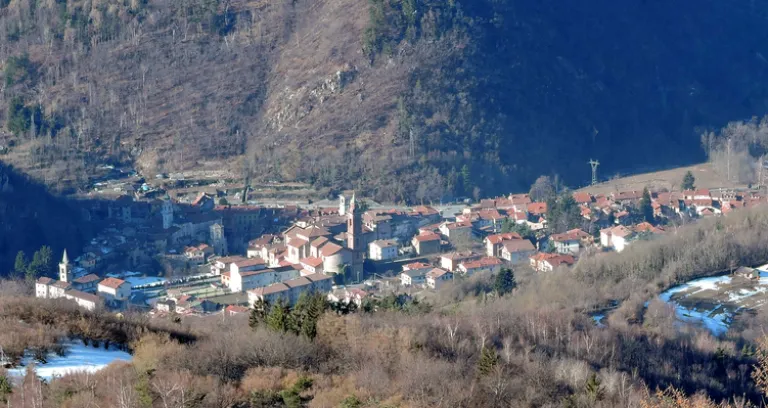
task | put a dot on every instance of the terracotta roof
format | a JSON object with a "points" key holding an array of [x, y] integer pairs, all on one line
{"points": [[647, 227], [537, 208], [91, 277], [436, 273], [456, 225], [44, 280], [313, 262], [618, 231], [424, 210], [482, 263], [318, 242], [582, 197], [518, 245], [271, 289], [236, 309], [318, 277], [427, 237], [520, 198], [330, 249], [416, 265], [499, 238], [558, 260], [249, 262], [113, 283], [226, 260], [572, 235], [62, 285]]}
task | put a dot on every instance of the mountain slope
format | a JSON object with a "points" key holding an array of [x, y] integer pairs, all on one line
{"points": [[403, 99]]}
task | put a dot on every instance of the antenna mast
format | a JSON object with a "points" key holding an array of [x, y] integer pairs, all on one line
{"points": [[594, 164]]}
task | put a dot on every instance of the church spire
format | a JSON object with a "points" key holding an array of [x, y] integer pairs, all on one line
{"points": [[65, 258]]}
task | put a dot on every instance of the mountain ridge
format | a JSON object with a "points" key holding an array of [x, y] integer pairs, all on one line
{"points": [[402, 100]]}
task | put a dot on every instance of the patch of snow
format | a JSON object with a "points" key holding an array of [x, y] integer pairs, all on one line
{"points": [[78, 358], [699, 285], [598, 318], [141, 281]]}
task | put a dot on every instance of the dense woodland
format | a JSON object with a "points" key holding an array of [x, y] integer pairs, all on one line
{"points": [[32, 218], [477, 344], [403, 99]]}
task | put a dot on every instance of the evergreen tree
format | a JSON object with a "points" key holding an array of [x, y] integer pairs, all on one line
{"points": [[258, 314], [466, 179], [505, 282], [593, 389], [488, 361], [279, 316], [20, 266], [5, 388], [688, 181], [645, 206]]}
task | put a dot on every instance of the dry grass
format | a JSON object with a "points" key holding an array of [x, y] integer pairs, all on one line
{"points": [[706, 177]]}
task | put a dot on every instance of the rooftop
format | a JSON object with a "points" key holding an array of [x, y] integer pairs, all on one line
{"points": [[113, 283]]}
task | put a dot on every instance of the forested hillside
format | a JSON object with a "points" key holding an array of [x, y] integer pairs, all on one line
{"points": [[30, 218], [399, 98]]}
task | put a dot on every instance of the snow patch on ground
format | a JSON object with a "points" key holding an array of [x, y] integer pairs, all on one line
{"points": [[149, 280], [79, 358], [728, 298]]}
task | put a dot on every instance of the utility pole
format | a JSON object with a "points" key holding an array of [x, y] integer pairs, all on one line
{"points": [[594, 164]]}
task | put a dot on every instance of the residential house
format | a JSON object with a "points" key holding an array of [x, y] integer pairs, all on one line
{"points": [[583, 198], [451, 260], [290, 290], [86, 283], [569, 242], [198, 254], [87, 301], [494, 243], [383, 250], [543, 262], [536, 210], [348, 295], [457, 231], [617, 237], [311, 266], [437, 277], [114, 289], [517, 250], [414, 273], [234, 310], [426, 244], [224, 264], [488, 264]]}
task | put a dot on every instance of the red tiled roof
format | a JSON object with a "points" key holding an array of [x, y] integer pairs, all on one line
{"points": [[427, 237], [313, 262], [582, 197], [44, 280], [482, 263], [499, 238], [236, 309], [113, 283], [537, 208], [91, 277], [416, 265], [436, 273], [249, 262], [518, 245], [330, 249], [558, 260]]}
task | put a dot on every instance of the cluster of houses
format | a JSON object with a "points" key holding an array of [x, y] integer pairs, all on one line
{"points": [[285, 252], [87, 291]]}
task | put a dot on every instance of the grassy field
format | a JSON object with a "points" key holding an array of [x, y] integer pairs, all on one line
{"points": [[706, 177]]}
